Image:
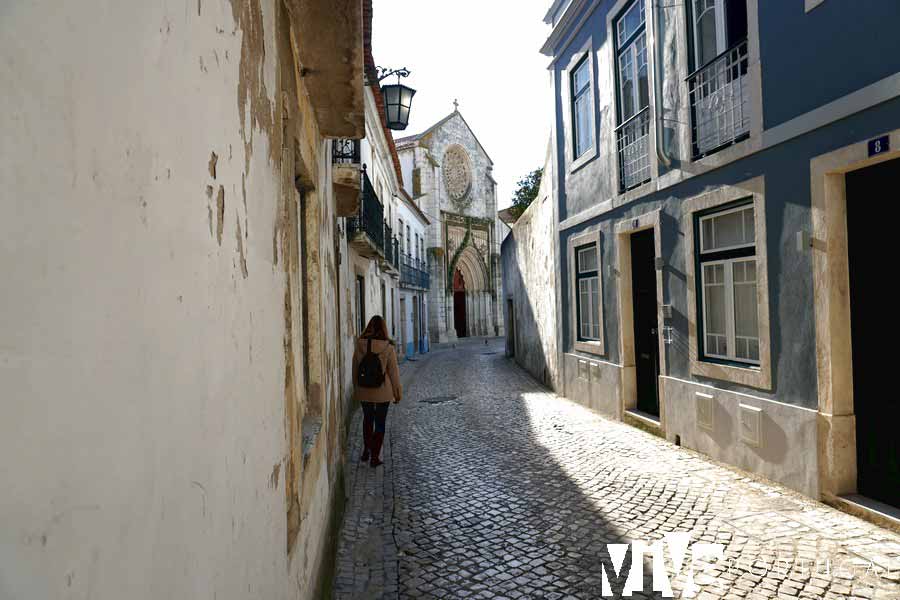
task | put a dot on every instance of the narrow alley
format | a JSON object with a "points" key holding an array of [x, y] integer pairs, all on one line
{"points": [[493, 487]]}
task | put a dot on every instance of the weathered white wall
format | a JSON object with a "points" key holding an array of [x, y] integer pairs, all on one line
{"points": [[142, 422], [529, 269]]}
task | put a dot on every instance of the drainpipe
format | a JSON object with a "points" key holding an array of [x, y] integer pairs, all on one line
{"points": [[657, 84]]}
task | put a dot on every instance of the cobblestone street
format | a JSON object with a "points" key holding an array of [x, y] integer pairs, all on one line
{"points": [[493, 487]]}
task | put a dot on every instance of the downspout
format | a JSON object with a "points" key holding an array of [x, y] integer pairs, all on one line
{"points": [[658, 84]]}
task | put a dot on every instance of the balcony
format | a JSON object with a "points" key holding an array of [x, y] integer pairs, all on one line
{"points": [[345, 176], [720, 101], [414, 273], [329, 41], [633, 147], [390, 262], [365, 229]]}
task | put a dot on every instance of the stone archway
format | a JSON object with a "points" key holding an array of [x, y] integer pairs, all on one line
{"points": [[459, 304], [475, 298]]}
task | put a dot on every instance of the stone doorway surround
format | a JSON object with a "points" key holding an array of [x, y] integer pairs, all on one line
{"points": [[623, 231], [831, 284]]}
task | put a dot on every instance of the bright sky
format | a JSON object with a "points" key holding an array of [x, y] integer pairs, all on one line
{"points": [[485, 53]]}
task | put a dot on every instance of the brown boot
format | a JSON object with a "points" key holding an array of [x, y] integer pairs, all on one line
{"points": [[367, 428], [377, 440]]}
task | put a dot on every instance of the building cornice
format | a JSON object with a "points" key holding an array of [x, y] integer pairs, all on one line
{"points": [[562, 27], [548, 17]]}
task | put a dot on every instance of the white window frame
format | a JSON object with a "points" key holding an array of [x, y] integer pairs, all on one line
{"points": [[592, 319], [717, 214], [721, 34], [576, 95], [758, 375], [611, 60], [585, 53], [591, 346], [630, 48], [730, 331]]}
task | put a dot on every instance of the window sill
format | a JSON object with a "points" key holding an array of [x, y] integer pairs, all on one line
{"points": [[710, 162], [584, 159], [644, 189], [751, 376], [595, 348]]}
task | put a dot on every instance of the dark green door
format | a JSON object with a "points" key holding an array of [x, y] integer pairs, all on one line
{"points": [[646, 340], [873, 195]]}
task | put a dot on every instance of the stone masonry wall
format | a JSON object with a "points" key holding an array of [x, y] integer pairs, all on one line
{"points": [[529, 269]]}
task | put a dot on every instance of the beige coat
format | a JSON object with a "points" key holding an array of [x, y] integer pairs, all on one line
{"points": [[391, 388]]}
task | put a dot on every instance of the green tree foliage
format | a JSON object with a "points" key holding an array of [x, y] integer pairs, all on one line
{"points": [[526, 191]]}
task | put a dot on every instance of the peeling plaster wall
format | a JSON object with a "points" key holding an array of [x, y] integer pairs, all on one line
{"points": [[142, 435], [529, 272]]}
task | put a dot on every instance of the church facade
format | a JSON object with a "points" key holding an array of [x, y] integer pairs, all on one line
{"points": [[448, 173]]}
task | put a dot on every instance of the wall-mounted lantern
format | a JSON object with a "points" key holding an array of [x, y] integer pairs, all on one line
{"points": [[397, 98]]}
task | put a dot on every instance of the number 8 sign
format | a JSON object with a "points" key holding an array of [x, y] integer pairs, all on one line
{"points": [[879, 145]]}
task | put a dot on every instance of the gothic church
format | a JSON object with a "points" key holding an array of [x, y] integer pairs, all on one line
{"points": [[448, 173]]}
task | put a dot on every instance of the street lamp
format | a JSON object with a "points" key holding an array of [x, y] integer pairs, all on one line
{"points": [[397, 98]]}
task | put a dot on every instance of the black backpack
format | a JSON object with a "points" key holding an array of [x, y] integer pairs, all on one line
{"points": [[369, 374]]}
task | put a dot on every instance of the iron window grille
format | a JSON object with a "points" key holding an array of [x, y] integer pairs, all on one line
{"points": [[345, 151], [720, 101], [414, 273], [729, 310], [633, 145], [718, 88]]}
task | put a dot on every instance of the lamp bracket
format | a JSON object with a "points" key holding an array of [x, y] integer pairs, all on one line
{"points": [[383, 72]]}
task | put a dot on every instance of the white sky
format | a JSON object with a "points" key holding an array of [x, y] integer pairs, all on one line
{"points": [[486, 54]]}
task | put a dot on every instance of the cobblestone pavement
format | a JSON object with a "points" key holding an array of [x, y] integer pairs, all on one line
{"points": [[494, 488]]}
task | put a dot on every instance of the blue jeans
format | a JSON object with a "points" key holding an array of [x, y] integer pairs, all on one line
{"points": [[376, 411]]}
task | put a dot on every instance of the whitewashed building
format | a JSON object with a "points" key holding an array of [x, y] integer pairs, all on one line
{"points": [[411, 226], [386, 231], [372, 251]]}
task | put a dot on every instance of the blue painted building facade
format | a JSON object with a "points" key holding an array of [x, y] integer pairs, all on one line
{"points": [[717, 165]]}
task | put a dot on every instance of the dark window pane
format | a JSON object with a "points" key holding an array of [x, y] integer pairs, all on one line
{"points": [[735, 20]]}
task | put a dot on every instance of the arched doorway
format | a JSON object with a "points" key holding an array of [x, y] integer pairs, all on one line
{"points": [[459, 304]]}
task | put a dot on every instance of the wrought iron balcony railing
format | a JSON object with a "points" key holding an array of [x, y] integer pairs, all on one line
{"points": [[370, 217], [414, 273], [720, 101], [345, 152], [633, 145]]}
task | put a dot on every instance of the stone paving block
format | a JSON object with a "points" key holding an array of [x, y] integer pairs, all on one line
{"points": [[509, 491]]}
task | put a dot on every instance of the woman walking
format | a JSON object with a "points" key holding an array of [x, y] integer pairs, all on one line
{"points": [[376, 382]]}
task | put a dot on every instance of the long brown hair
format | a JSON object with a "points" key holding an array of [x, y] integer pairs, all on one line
{"points": [[376, 329]]}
